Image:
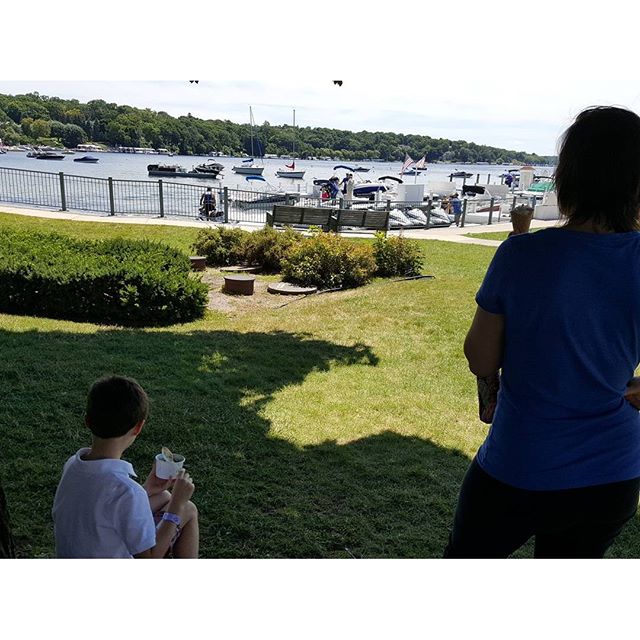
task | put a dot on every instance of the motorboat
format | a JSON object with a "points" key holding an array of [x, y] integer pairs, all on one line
{"points": [[362, 169], [411, 172], [266, 199], [210, 168], [177, 171], [88, 159], [460, 174], [47, 155]]}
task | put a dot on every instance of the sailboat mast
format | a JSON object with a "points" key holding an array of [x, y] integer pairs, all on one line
{"points": [[251, 125], [294, 134]]}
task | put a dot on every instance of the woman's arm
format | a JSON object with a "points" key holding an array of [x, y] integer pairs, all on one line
{"points": [[484, 344]]}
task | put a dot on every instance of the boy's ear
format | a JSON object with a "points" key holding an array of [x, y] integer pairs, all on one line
{"points": [[138, 428]]}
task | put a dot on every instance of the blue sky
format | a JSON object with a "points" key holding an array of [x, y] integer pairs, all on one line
{"points": [[507, 75]]}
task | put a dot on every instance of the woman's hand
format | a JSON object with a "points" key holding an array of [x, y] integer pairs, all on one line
{"points": [[632, 392]]}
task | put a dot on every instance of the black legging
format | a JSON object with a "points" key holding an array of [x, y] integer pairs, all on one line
{"points": [[493, 519]]}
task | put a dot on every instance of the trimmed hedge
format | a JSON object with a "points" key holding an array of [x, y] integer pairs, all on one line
{"points": [[128, 282]]}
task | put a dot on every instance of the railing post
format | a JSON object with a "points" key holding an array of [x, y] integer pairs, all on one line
{"points": [[161, 194], [63, 195], [490, 211], [225, 203], [112, 204], [429, 205], [513, 203], [488, 178], [464, 212], [477, 178]]}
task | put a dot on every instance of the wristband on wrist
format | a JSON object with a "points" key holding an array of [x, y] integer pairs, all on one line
{"points": [[172, 517]]}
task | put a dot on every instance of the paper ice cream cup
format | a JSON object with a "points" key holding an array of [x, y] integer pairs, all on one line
{"points": [[166, 469]]}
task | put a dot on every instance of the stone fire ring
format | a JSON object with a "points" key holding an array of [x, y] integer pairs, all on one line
{"points": [[288, 289], [198, 263], [240, 269], [240, 285]]}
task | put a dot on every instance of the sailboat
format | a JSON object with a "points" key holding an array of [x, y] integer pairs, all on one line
{"points": [[248, 167], [291, 172]]}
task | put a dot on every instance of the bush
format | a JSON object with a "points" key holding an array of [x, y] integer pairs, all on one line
{"points": [[221, 246], [328, 261], [268, 247], [397, 256], [126, 282]]}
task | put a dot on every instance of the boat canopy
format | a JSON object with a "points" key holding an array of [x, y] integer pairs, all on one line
{"points": [[260, 178], [391, 178], [343, 166], [248, 160]]}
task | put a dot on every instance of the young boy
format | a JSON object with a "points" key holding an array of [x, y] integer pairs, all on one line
{"points": [[99, 510]]}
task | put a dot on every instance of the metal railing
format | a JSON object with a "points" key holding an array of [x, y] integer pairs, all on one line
{"points": [[168, 198]]}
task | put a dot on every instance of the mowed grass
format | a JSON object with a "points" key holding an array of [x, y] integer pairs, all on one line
{"points": [[340, 425]]}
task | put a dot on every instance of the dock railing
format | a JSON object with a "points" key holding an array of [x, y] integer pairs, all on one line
{"points": [[153, 198]]}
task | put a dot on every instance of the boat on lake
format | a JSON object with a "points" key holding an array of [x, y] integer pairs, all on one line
{"points": [[206, 170], [290, 169], [47, 155], [87, 159], [210, 168], [248, 167]]}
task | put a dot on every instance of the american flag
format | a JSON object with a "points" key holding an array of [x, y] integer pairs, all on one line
{"points": [[407, 163], [421, 163]]}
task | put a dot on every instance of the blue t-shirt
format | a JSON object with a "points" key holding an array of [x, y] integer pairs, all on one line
{"points": [[457, 206], [571, 304]]}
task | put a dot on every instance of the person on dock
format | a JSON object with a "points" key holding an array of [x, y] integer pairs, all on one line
{"points": [[208, 204], [456, 207], [558, 316], [347, 189]]}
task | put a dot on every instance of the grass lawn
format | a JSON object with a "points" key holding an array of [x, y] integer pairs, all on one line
{"points": [[491, 235], [340, 425]]}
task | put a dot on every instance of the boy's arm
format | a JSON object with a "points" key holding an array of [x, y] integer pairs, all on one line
{"points": [[182, 491]]}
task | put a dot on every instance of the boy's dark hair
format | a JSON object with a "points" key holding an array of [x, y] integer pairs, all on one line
{"points": [[598, 174], [115, 405]]}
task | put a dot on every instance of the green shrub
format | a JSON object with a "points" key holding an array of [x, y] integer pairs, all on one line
{"points": [[221, 246], [268, 247], [328, 261], [397, 256], [126, 282]]}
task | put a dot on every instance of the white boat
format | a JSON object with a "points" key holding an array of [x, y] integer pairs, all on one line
{"points": [[290, 171], [248, 167]]}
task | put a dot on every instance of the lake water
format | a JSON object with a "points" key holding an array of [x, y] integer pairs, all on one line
{"points": [[129, 166]]}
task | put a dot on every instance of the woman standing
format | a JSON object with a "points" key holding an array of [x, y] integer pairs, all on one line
{"points": [[559, 314]]}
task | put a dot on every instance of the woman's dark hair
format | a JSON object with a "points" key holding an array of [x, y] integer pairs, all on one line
{"points": [[115, 405], [598, 174]]}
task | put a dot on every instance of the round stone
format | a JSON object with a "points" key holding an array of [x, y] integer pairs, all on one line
{"points": [[288, 289], [242, 285], [239, 269]]}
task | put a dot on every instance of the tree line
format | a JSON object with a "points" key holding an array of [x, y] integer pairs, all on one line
{"points": [[37, 119]]}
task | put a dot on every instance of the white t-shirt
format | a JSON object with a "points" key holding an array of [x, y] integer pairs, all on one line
{"points": [[99, 511]]}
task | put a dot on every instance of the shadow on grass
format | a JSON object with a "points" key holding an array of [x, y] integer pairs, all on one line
{"points": [[259, 495]]}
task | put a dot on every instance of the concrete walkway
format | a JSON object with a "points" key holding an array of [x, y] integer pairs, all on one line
{"points": [[447, 234]]}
